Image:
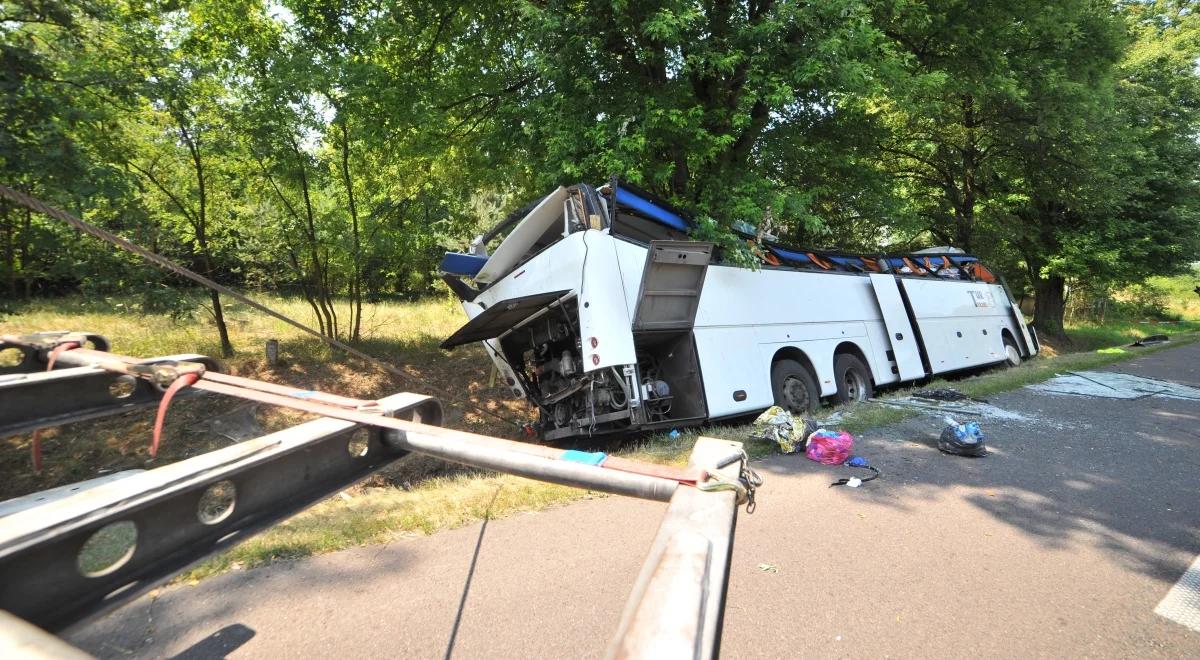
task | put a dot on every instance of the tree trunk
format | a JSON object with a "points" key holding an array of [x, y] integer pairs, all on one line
{"points": [[1049, 304], [356, 275], [27, 273], [965, 213], [320, 278], [10, 264], [202, 239]]}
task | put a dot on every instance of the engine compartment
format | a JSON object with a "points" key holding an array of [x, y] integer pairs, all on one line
{"points": [[546, 353]]}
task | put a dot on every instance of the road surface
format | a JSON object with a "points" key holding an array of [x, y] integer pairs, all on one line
{"points": [[1061, 542]]}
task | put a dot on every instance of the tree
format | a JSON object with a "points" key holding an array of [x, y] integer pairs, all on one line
{"points": [[685, 98], [1107, 193]]}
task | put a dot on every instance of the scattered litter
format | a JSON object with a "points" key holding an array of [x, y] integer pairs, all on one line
{"points": [[829, 447], [779, 426], [1151, 340], [958, 408], [833, 419], [674, 434], [962, 439], [1111, 385], [945, 394], [855, 482], [768, 568]]}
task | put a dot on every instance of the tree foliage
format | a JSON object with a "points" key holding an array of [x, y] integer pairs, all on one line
{"points": [[334, 147]]}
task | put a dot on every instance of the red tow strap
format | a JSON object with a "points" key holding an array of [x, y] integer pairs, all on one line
{"points": [[178, 384], [35, 448]]}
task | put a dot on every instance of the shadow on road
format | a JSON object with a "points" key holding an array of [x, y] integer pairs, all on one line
{"points": [[219, 644], [462, 603]]}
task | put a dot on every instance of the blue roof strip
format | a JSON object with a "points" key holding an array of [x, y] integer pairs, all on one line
{"points": [[651, 210], [456, 263], [791, 255]]}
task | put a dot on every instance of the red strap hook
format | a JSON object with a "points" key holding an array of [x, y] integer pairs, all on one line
{"points": [[183, 381]]}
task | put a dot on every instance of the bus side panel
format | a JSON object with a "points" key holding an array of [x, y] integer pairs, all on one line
{"points": [[961, 323], [739, 296], [729, 363], [555, 268], [882, 369]]}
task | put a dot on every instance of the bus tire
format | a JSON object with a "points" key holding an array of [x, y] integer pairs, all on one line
{"points": [[1012, 354], [794, 387], [853, 379]]}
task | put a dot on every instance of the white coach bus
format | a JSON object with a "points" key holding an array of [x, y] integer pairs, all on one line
{"points": [[597, 308]]}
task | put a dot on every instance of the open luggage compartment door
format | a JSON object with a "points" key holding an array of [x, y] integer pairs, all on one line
{"points": [[502, 317], [671, 284], [900, 331]]}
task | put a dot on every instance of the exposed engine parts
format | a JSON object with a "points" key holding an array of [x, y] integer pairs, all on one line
{"points": [[547, 356]]}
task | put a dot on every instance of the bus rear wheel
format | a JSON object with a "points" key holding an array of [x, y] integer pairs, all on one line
{"points": [[853, 379], [794, 387], [1012, 355]]}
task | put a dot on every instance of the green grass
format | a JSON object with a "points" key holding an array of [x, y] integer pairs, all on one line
{"points": [[407, 334], [1090, 336], [1179, 293]]}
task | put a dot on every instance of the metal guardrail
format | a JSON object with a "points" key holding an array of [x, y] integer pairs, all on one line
{"points": [[175, 516]]}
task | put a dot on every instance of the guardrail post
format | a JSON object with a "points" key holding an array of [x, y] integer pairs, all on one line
{"points": [[678, 601]]}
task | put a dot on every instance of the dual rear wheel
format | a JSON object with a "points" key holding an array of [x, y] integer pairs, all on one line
{"points": [[795, 386]]}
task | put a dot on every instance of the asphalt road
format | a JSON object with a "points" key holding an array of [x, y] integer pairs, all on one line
{"points": [[1061, 542]]}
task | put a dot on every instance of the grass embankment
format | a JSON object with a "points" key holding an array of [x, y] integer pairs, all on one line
{"points": [[414, 498], [405, 335]]}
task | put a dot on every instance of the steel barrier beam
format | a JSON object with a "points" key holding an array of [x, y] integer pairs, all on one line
{"points": [[50, 398], [273, 477]]}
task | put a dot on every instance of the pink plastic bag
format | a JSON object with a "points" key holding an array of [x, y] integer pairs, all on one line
{"points": [[829, 447]]}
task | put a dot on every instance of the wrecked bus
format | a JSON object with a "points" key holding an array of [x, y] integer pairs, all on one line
{"points": [[597, 308]]}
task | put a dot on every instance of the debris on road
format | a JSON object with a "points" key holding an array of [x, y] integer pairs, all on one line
{"points": [[768, 568], [779, 426], [962, 439], [945, 394], [829, 447], [1113, 385], [1151, 340], [962, 409], [855, 482]]}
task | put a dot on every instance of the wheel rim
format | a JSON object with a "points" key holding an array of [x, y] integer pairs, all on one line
{"points": [[854, 386], [795, 394], [1014, 358]]}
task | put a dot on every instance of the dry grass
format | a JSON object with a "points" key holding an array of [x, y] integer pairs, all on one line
{"points": [[405, 335]]}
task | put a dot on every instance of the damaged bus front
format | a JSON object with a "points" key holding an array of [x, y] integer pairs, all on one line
{"points": [[554, 305]]}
